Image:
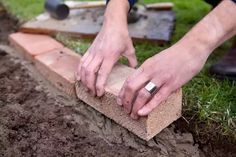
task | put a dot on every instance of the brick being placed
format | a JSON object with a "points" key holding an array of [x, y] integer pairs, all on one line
{"points": [[58, 65], [146, 127]]}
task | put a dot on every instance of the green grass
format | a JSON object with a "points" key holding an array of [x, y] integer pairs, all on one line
{"points": [[209, 104]]}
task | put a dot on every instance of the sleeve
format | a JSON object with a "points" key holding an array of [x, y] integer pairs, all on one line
{"points": [[131, 2], [214, 3]]}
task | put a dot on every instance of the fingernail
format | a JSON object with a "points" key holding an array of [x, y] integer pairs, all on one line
{"points": [[119, 102], [77, 77], [99, 93], [141, 112]]}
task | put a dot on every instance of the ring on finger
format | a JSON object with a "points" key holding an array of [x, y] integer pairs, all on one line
{"points": [[151, 87]]}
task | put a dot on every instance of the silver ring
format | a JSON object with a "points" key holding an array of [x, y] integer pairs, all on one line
{"points": [[151, 87]]}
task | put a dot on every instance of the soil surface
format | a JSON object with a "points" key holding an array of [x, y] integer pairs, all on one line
{"points": [[7, 25], [38, 120]]}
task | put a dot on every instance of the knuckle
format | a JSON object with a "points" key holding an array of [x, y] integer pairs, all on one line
{"points": [[100, 73], [157, 96], [87, 72], [128, 80], [82, 60], [83, 66], [167, 76], [131, 51], [99, 49], [129, 87]]}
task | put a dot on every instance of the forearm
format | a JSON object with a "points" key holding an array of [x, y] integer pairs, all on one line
{"points": [[218, 26], [116, 13]]}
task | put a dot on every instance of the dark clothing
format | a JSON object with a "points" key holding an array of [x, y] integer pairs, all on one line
{"points": [[214, 3], [131, 2]]}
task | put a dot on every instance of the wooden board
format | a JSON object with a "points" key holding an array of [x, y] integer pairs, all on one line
{"points": [[153, 26]]}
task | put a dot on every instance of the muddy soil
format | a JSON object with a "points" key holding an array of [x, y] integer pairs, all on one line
{"points": [[38, 120], [34, 121]]}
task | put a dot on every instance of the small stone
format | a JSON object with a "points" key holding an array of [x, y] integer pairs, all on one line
{"points": [[39, 88]]}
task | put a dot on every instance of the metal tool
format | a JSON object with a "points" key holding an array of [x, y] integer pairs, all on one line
{"points": [[57, 9], [60, 10]]}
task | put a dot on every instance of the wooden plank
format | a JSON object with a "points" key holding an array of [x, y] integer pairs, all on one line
{"points": [[87, 4], [160, 6], [152, 26]]}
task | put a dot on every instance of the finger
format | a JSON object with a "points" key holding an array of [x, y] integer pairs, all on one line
{"points": [[132, 59], [103, 73], [141, 99], [129, 79], [91, 73], [132, 85], [160, 96], [78, 74], [83, 70]]}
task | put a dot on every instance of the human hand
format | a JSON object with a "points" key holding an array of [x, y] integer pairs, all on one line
{"points": [[168, 70], [110, 44]]}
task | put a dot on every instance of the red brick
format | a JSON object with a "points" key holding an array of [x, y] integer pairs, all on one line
{"points": [[59, 67], [31, 45]]}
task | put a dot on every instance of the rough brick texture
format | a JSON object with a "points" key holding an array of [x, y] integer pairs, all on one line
{"points": [[146, 127]]}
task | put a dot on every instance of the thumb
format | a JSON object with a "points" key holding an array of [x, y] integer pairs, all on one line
{"points": [[132, 59]]}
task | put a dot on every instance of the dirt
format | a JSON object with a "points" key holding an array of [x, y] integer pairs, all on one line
{"points": [[38, 120], [8, 25]]}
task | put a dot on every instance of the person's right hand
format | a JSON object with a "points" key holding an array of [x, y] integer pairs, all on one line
{"points": [[110, 44]]}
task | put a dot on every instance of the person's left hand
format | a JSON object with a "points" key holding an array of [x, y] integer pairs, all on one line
{"points": [[168, 70]]}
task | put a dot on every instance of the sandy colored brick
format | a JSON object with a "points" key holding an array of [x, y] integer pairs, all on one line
{"points": [[31, 45], [146, 127], [59, 67]]}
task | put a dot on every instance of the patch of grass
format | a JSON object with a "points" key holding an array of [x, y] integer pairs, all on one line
{"points": [[24, 9], [80, 46], [210, 102]]}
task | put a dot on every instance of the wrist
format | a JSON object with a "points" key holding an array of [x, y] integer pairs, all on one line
{"points": [[116, 12], [193, 50]]}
